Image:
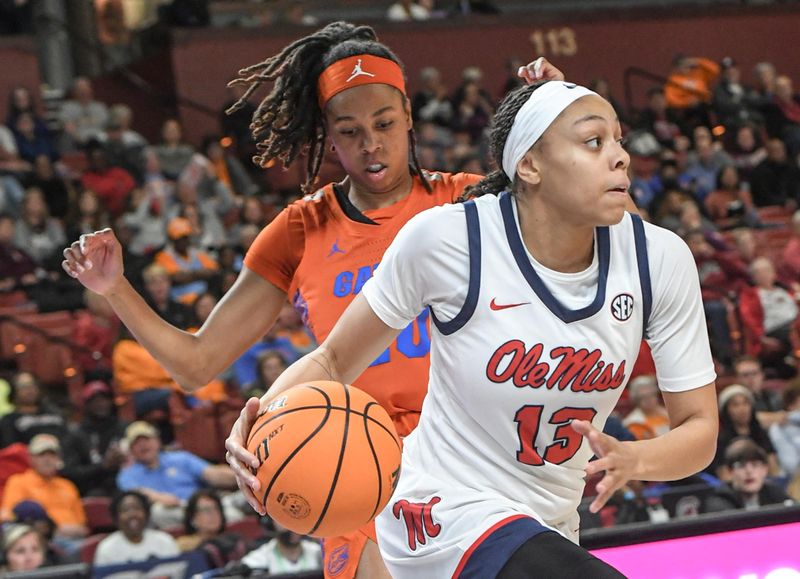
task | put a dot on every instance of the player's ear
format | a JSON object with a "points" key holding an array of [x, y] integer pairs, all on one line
{"points": [[407, 111], [528, 169]]}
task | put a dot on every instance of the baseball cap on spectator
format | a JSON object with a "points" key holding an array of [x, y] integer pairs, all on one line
{"points": [[29, 512], [643, 144], [731, 391], [743, 450], [179, 227], [138, 429], [94, 388], [13, 533], [42, 443]]}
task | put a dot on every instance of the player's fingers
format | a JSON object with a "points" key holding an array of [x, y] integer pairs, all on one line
{"points": [[89, 242], [597, 440], [71, 271], [238, 456], [242, 462], [597, 466], [85, 242], [236, 441], [75, 259], [605, 490], [582, 427], [539, 69], [248, 417], [547, 71], [245, 484], [529, 71]]}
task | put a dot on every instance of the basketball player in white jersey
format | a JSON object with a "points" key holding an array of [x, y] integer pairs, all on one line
{"points": [[541, 289]]}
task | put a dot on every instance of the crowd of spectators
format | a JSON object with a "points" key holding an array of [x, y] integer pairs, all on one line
{"points": [[714, 158]]}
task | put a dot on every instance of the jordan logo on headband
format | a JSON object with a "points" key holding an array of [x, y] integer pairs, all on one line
{"points": [[358, 71]]}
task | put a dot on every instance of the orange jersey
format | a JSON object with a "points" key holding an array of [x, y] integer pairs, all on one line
{"points": [[322, 258]]}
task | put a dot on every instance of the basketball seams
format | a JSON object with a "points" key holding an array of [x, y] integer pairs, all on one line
{"points": [[374, 458], [374, 421], [338, 471]]}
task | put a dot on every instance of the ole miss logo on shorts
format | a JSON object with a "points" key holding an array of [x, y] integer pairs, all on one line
{"points": [[418, 518]]}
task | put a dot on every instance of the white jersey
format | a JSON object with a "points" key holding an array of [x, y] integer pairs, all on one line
{"points": [[518, 351]]}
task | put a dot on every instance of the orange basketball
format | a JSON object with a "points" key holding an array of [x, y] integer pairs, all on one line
{"points": [[330, 458]]}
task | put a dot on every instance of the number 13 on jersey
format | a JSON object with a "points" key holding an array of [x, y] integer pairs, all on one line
{"points": [[566, 441]]}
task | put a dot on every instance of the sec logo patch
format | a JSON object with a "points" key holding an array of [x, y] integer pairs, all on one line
{"points": [[622, 307]]}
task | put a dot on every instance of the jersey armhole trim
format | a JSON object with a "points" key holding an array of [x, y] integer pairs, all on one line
{"points": [[473, 291], [640, 241]]}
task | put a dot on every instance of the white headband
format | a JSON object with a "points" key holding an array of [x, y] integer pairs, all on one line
{"points": [[532, 120]]}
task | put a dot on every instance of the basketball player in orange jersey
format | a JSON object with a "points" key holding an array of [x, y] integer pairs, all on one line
{"points": [[341, 88]]}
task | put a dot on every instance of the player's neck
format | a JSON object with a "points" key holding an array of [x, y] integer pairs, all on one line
{"points": [[554, 243], [365, 200]]}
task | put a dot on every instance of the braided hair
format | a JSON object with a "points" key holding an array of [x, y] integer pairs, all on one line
{"points": [[497, 181], [289, 121]]}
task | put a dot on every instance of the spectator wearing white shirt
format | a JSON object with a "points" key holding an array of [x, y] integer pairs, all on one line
{"points": [[133, 541], [785, 436], [83, 118], [780, 312], [289, 552]]}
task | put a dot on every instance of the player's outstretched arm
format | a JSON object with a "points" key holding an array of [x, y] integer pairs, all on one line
{"points": [[686, 449], [356, 340], [245, 314]]}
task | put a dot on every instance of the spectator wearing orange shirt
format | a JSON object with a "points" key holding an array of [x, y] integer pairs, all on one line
{"points": [[688, 87], [649, 419], [136, 372], [227, 167], [188, 267], [57, 495]]}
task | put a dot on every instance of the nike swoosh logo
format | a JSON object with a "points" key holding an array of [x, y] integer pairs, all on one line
{"points": [[497, 307]]}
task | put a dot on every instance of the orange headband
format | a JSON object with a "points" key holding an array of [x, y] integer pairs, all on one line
{"points": [[355, 71]]}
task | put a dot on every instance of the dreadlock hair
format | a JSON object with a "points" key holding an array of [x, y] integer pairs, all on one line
{"points": [[289, 121], [497, 181]]}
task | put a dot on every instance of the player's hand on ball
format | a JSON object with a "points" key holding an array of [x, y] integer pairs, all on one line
{"points": [[239, 459], [618, 460], [539, 69], [95, 260]]}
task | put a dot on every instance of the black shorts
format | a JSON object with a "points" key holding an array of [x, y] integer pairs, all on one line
{"points": [[549, 555]]}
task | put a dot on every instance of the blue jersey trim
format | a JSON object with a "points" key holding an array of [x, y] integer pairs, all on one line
{"points": [[474, 244], [565, 314], [489, 558], [640, 241]]}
